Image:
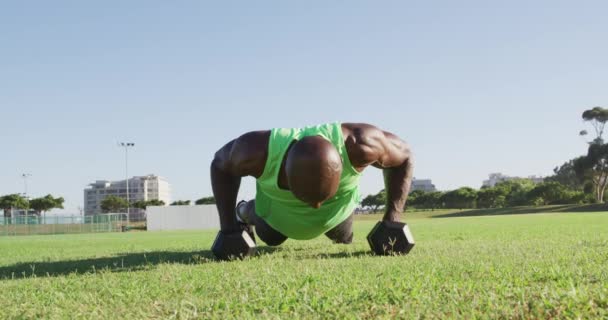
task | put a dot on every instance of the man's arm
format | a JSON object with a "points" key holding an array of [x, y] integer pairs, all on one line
{"points": [[244, 156], [368, 145]]}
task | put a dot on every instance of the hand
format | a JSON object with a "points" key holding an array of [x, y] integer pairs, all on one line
{"points": [[233, 245]]}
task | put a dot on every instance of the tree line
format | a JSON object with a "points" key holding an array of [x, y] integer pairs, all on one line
{"points": [[117, 204], [108, 204], [511, 193], [39, 205], [581, 180]]}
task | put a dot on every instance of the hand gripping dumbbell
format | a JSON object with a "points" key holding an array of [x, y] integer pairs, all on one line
{"points": [[234, 245], [391, 238]]}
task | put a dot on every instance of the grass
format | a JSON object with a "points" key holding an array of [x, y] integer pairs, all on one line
{"points": [[544, 265]]}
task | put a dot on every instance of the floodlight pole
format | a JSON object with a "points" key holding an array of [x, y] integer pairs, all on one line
{"points": [[127, 145], [25, 176]]}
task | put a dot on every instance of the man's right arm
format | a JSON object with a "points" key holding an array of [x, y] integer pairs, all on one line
{"points": [[244, 156]]}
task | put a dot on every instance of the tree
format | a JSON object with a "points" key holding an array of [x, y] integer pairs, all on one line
{"points": [[432, 200], [549, 193], [462, 198], [155, 202], [594, 166], [46, 203], [142, 204], [414, 199], [425, 200], [113, 204], [205, 200], [181, 203], [13, 201], [567, 176], [515, 191], [493, 197], [374, 201], [371, 201], [598, 117]]}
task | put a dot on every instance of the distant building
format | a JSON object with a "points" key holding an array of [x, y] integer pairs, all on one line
{"points": [[495, 178], [425, 185], [144, 188]]}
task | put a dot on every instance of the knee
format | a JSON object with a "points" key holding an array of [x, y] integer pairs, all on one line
{"points": [[344, 239], [273, 242]]}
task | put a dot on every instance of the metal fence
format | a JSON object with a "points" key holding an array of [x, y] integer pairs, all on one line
{"points": [[33, 225]]}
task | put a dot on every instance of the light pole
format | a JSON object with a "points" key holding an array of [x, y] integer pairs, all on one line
{"points": [[127, 145], [25, 176]]}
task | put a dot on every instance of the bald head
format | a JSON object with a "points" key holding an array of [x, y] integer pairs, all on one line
{"points": [[313, 169]]}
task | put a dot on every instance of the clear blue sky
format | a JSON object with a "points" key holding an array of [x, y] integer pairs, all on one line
{"points": [[474, 86]]}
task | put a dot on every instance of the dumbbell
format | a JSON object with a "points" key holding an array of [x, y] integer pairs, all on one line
{"points": [[390, 238], [234, 245]]}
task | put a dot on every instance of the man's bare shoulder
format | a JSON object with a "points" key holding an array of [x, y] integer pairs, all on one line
{"points": [[360, 130], [367, 145], [247, 154]]}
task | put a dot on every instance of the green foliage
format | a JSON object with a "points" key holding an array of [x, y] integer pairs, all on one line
{"points": [[141, 204], [156, 202], [598, 117], [594, 167], [462, 198], [495, 197], [425, 200], [13, 201], [113, 204], [414, 198], [46, 203], [181, 203], [374, 201], [432, 200], [566, 174], [516, 191], [205, 200], [550, 193], [511, 193]]}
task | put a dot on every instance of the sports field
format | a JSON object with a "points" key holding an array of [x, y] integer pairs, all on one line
{"points": [[544, 265]]}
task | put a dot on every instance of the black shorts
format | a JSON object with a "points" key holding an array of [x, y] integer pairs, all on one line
{"points": [[342, 233]]}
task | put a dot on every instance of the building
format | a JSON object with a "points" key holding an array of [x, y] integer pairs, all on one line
{"points": [[495, 178], [425, 185], [144, 188], [198, 217]]}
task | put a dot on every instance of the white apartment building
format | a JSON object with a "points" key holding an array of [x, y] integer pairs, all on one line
{"points": [[425, 185], [144, 188], [495, 178]]}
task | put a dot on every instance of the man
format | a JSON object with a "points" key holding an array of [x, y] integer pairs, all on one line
{"points": [[307, 179]]}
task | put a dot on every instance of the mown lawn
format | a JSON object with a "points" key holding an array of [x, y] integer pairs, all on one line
{"points": [[545, 265]]}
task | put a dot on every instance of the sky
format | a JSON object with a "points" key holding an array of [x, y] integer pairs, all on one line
{"points": [[475, 87]]}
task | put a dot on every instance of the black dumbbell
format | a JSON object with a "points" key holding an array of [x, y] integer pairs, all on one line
{"points": [[389, 238], [235, 245]]}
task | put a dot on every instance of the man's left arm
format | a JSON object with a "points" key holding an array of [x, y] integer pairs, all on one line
{"points": [[397, 166], [397, 178], [386, 151]]}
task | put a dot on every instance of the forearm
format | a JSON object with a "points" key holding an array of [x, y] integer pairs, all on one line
{"points": [[397, 182], [225, 190]]}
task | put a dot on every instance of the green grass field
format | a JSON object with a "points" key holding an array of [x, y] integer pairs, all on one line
{"points": [[546, 265]]}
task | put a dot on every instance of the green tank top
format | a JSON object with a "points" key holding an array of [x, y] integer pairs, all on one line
{"points": [[282, 210]]}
